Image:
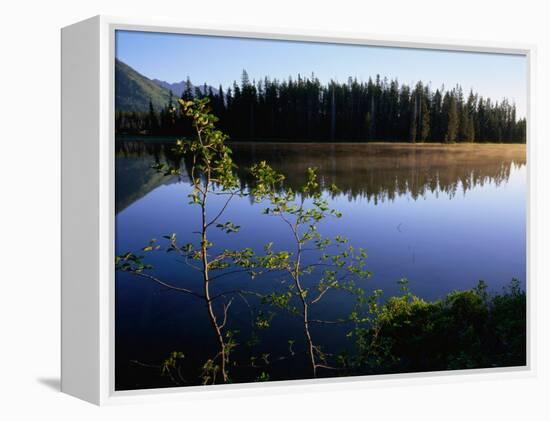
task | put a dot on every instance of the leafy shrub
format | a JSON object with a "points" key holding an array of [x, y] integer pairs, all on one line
{"points": [[466, 329]]}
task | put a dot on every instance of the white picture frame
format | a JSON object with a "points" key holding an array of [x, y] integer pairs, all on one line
{"points": [[88, 211]]}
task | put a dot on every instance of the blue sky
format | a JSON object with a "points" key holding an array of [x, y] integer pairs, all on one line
{"points": [[221, 60]]}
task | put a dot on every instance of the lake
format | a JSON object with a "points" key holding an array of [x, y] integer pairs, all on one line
{"points": [[442, 216]]}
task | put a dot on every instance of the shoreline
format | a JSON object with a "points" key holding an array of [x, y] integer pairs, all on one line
{"points": [[170, 139]]}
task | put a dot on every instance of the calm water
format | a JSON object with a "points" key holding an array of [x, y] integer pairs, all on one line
{"points": [[443, 217]]}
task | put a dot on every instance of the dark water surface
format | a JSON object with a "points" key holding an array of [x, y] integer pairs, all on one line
{"points": [[444, 217]]}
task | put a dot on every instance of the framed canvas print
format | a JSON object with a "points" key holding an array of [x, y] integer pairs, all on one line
{"points": [[247, 209]]}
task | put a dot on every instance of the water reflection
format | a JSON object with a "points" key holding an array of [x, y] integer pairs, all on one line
{"points": [[376, 172]]}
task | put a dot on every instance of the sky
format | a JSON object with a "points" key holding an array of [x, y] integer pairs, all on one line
{"points": [[218, 60]]}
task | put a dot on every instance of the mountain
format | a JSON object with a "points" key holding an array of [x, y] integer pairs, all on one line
{"points": [[178, 87], [133, 90]]}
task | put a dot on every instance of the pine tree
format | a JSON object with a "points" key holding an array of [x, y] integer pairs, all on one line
{"points": [[354, 110], [187, 93], [152, 121], [332, 112], [451, 116], [424, 116], [413, 119], [245, 81], [436, 117]]}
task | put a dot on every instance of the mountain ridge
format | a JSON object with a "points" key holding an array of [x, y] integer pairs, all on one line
{"points": [[133, 91], [178, 88]]}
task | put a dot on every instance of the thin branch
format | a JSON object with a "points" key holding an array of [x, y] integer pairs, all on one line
{"points": [[319, 249], [136, 362], [221, 211], [229, 273], [191, 265], [320, 295], [164, 284], [225, 309], [225, 193], [250, 310], [236, 291], [312, 265], [246, 270], [326, 366], [329, 321], [219, 258]]}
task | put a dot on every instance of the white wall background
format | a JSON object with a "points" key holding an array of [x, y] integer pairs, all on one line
{"points": [[29, 207]]}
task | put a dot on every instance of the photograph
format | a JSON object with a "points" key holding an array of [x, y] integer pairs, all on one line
{"points": [[292, 210]]}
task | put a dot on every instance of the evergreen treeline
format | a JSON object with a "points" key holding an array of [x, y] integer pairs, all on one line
{"points": [[305, 110]]}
